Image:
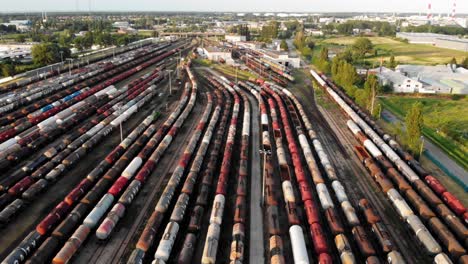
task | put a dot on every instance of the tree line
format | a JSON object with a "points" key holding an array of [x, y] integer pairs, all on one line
{"points": [[447, 30], [343, 72], [364, 90], [346, 28]]}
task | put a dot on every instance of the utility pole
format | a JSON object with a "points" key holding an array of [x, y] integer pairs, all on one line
{"points": [[422, 147], [373, 98], [121, 133], [265, 154], [69, 65], [236, 72], [170, 81]]}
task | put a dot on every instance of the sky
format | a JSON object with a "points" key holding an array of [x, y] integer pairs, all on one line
{"points": [[438, 6]]}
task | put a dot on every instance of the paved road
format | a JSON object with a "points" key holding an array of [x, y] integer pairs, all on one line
{"points": [[291, 49], [435, 152], [256, 250]]}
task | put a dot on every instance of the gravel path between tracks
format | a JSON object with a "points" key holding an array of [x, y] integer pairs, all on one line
{"points": [[332, 130], [256, 243]]}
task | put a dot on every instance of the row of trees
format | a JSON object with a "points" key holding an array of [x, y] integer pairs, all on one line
{"points": [[344, 74], [7, 29], [291, 28], [48, 53], [414, 123], [381, 28], [448, 30], [242, 30], [463, 63], [303, 43], [269, 31], [322, 61], [7, 68]]}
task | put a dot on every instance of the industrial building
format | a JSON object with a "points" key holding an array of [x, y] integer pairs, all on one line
{"points": [[218, 54], [440, 79], [281, 57], [438, 40], [21, 25], [18, 52], [235, 38]]}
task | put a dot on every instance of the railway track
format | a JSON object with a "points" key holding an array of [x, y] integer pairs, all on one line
{"points": [[418, 188], [340, 141], [313, 182], [118, 253], [145, 110], [45, 202]]}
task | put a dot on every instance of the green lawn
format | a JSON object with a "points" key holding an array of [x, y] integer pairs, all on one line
{"points": [[226, 69], [302, 79], [404, 53], [231, 72], [445, 120]]}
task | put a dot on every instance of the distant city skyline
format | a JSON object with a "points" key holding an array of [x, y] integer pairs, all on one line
{"points": [[438, 6]]}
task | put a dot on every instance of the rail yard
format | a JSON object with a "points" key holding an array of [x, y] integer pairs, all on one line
{"points": [[115, 161]]}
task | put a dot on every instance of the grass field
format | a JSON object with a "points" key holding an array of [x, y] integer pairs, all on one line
{"points": [[404, 52], [302, 80], [231, 72], [445, 121], [226, 69]]}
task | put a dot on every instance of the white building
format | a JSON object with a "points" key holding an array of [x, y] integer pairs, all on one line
{"points": [[398, 82], [217, 54], [235, 38], [282, 58], [314, 32], [441, 79], [21, 25], [121, 24], [15, 51], [438, 40]]}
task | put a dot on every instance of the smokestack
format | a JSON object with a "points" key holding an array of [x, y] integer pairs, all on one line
{"points": [[429, 11], [454, 7]]}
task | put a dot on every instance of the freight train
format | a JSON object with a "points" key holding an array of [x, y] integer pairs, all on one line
{"points": [[362, 120]]}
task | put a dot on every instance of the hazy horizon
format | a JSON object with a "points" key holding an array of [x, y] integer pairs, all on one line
{"points": [[298, 6]]}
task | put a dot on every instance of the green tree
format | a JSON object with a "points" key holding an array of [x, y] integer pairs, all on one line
{"points": [[414, 122], [377, 111], [299, 39], [88, 40], [392, 64], [344, 74], [323, 63], [323, 54], [362, 46], [284, 45], [371, 88], [464, 63], [453, 61], [65, 38], [103, 39], [78, 43], [345, 28], [269, 31], [310, 43], [47, 53], [346, 55], [386, 30], [20, 38], [8, 69]]}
